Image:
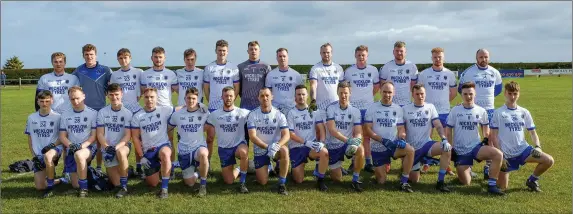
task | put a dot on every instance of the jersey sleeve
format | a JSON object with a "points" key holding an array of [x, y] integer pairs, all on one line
{"points": [[300, 80], [484, 121], [206, 75], [317, 117], [27, 129], [174, 81], [290, 121], [63, 124], [494, 124], [94, 120], [451, 118], [329, 114], [340, 73], [42, 85], [356, 117], [420, 79], [171, 121], [383, 73], [528, 120], [142, 80], [211, 120], [368, 116], [251, 120], [268, 82], [399, 117], [127, 120], [312, 74], [434, 113], [414, 73], [237, 76], [100, 120], [452, 80], [282, 121], [375, 76], [344, 76], [135, 121]]}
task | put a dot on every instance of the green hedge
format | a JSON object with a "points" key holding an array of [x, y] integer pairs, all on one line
{"points": [[303, 69]]}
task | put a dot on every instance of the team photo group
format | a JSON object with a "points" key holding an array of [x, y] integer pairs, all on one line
{"points": [[94, 113]]}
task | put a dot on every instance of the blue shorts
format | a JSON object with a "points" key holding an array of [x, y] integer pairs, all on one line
{"points": [[299, 155], [55, 161], [444, 119], [153, 156], [383, 158], [227, 155], [188, 160], [70, 161], [423, 152], [468, 159], [336, 155], [490, 114], [516, 162], [262, 160], [362, 115], [212, 110]]}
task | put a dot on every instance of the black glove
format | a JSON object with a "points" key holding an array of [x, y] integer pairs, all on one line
{"points": [[38, 164], [485, 141], [48, 147], [312, 106], [74, 148], [110, 150]]}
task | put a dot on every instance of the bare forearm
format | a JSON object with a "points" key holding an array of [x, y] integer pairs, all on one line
{"points": [[296, 138], [64, 139], [285, 137], [313, 89], [535, 138], [30, 145]]}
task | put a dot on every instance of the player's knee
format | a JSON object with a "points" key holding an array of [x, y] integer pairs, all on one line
{"points": [[284, 151], [549, 160], [243, 154], [122, 152], [497, 155], [409, 149], [165, 154], [324, 153], [228, 180], [298, 179]]}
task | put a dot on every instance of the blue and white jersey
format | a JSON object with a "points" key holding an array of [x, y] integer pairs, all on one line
{"points": [[283, 84], [362, 81], [303, 124], [401, 75], [189, 79], [58, 85], [466, 122], [115, 123], [153, 126], [219, 77], [327, 78], [129, 81], [344, 120], [385, 120], [79, 125], [268, 125], [511, 124], [486, 81], [94, 81], [43, 129], [162, 80], [229, 126], [418, 123], [190, 128], [438, 84]]}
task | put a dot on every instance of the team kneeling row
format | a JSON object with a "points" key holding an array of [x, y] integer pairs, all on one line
{"points": [[304, 133]]}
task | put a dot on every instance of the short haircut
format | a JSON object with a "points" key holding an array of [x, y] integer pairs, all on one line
{"points": [[221, 43], [399, 44], [89, 47], [58, 54], [189, 52], [344, 84], [113, 88], [45, 94], [282, 49], [417, 86], [228, 88], [123, 52], [158, 50], [192, 90], [437, 50], [253, 43], [149, 89], [512, 86], [326, 45], [480, 50], [265, 88], [301, 86], [361, 48], [74, 89], [386, 83], [469, 85]]}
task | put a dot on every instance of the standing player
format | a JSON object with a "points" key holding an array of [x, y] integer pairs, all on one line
{"points": [[189, 77], [488, 82], [218, 75], [128, 79], [192, 147], [152, 145], [160, 78], [466, 145], [113, 134], [42, 130], [385, 125], [228, 124], [253, 73], [268, 130], [283, 80], [364, 81], [304, 124], [508, 124], [402, 73], [78, 134], [57, 82], [344, 136], [419, 118], [324, 77]]}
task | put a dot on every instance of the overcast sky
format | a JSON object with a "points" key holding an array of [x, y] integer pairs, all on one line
{"points": [[512, 31]]}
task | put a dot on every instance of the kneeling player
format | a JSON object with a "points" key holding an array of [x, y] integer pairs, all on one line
{"points": [[228, 123], [507, 126], [113, 134], [464, 120], [42, 130], [268, 130], [419, 117], [149, 129], [303, 125], [344, 136], [385, 125], [78, 134]]}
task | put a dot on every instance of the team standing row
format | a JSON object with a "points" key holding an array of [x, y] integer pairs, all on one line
{"points": [[273, 112]]}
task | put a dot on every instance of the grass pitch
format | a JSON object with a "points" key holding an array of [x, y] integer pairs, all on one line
{"points": [[548, 99]]}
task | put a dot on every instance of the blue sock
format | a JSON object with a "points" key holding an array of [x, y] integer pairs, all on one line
{"points": [[491, 182], [441, 175], [83, 183], [404, 178], [138, 166], [243, 176], [164, 182], [320, 175], [533, 178], [50, 183], [203, 181], [368, 160], [355, 176], [123, 181], [282, 180]]}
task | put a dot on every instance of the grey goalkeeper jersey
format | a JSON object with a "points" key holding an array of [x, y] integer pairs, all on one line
{"points": [[252, 78]]}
